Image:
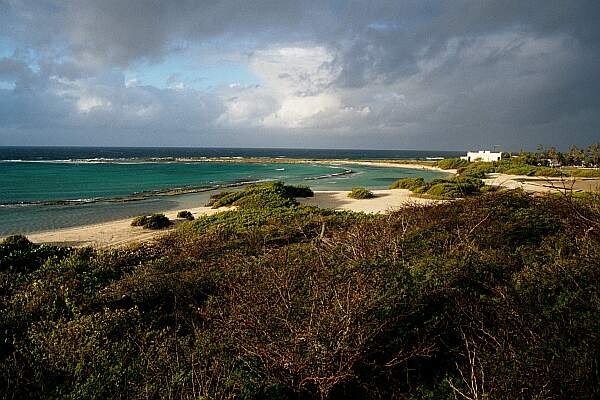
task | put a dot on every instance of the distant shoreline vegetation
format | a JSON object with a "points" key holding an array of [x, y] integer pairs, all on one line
{"points": [[545, 162]]}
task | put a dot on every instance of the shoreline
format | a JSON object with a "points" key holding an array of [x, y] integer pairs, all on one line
{"points": [[201, 189], [111, 234], [120, 233], [403, 164], [73, 233]]}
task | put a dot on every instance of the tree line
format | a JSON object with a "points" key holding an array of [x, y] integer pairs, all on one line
{"points": [[579, 157]]}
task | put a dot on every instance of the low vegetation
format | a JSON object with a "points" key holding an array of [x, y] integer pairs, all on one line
{"points": [[583, 172], [452, 163], [154, 221], [494, 296], [139, 221], [409, 183], [185, 215], [442, 188], [360, 193], [272, 194], [509, 167]]}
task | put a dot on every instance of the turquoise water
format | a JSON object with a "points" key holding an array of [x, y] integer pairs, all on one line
{"points": [[43, 181], [27, 187]]}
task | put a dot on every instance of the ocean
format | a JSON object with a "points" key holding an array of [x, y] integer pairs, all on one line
{"points": [[45, 188]]}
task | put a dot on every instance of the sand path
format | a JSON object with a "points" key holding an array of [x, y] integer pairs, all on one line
{"points": [[539, 184]]}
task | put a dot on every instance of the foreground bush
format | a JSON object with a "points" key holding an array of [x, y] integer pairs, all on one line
{"points": [[19, 255], [360, 193], [493, 296], [186, 215]]}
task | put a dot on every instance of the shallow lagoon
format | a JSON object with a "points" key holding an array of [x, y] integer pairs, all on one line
{"points": [[111, 186]]}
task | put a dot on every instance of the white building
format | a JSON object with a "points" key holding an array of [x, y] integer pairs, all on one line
{"points": [[482, 155]]}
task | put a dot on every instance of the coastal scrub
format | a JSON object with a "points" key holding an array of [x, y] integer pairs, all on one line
{"points": [[360, 193], [154, 221], [492, 296], [442, 188], [185, 215]]}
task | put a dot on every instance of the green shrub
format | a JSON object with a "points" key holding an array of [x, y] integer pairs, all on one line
{"points": [[154, 221], [16, 243], [140, 221], [408, 183], [583, 173], [550, 172], [157, 221], [452, 163], [360, 193], [442, 188], [224, 199], [421, 189], [300, 302], [477, 170], [519, 167], [528, 170], [271, 194], [488, 188], [298, 191], [19, 255], [185, 214], [264, 200], [445, 190]]}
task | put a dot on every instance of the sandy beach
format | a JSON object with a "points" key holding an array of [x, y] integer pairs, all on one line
{"points": [[120, 233], [385, 201], [401, 165], [117, 233]]}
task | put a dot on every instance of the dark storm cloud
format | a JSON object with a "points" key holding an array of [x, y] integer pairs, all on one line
{"points": [[116, 31], [413, 73]]}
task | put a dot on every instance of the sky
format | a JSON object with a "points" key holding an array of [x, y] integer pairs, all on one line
{"points": [[398, 74]]}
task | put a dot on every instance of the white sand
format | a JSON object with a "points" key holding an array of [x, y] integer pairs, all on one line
{"points": [[111, 234], [384, 201], [399, 165]]}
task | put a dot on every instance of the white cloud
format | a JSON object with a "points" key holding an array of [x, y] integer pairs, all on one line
{"points": [[298, 91], [87, 104], [132, 83]]}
